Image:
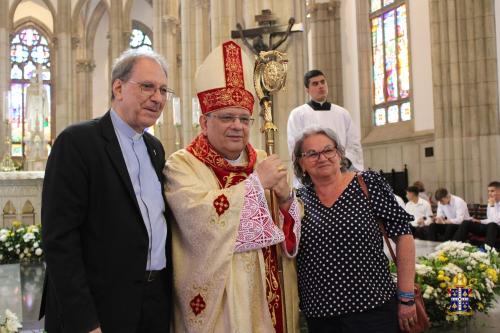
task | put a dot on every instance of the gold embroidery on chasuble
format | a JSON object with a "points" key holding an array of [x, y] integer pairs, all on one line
{"points": [[273, 289]]}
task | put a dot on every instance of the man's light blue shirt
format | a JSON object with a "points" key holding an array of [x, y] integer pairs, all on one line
{"points": [[147, 188]]}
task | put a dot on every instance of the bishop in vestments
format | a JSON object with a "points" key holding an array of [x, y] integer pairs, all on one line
{"points": [[224, 238]]}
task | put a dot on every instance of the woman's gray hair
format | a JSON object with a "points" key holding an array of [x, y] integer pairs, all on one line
{"points": [[304, 178], [124, 64]]}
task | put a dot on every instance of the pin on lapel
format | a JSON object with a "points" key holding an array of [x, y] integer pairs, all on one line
{"points": [[154, 151]]}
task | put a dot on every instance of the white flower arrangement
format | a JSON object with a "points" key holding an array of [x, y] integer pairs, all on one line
{"points": [[20, 244], [10, 324], [435, 273]]}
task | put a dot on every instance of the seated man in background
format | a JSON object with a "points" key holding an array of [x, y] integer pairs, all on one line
{"points": [[489, 226], [421, 211], [451, 212]]}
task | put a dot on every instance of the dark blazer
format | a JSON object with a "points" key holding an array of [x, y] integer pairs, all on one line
{"points": [[93, 234]]}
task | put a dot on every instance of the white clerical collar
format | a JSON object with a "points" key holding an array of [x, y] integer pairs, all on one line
{"points": [[241, 160]]}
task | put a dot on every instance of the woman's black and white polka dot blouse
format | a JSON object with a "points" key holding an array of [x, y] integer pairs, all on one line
{"points": [[341, 264]]}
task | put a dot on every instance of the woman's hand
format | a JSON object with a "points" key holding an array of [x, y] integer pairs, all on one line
{"points": [[407, 316]]}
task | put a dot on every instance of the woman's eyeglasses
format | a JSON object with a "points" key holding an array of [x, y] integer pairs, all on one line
{"points": [[313, 155]]}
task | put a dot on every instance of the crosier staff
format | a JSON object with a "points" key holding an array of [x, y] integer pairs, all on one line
{"points": [[269, 77]]}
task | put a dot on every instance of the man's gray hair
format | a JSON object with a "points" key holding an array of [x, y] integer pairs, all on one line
{"points": [[304, 178], [124, 64]]}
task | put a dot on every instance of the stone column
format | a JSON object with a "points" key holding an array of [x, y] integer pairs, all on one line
{"points": [[4, 66], [165, 38], [63, 69], [84, 69], [326, 54], [223, 20], [119, 35], [464, 66]]}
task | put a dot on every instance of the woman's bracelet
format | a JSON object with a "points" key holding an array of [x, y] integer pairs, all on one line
{"points": [[404, 294]]}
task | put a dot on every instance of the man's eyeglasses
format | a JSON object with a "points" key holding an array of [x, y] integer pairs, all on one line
{"points": [[313, 155], [227, 118], [149, 89]]}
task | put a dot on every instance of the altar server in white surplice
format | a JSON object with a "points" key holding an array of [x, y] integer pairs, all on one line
{"points": [[319, 112], [224, 239]]}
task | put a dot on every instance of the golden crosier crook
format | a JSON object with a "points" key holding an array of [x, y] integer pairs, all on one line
{"points": [[269, 77]]}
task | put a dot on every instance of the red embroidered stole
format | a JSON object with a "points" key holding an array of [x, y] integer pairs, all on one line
{"points": [[229, 175]]}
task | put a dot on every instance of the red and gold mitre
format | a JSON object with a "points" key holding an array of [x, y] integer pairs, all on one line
{"points": [[224, 79]]}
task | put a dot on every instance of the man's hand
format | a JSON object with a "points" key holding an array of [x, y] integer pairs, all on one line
{"points": [[420, 221], [97, 330], [476, 220], [272, 175], [439, 220]]}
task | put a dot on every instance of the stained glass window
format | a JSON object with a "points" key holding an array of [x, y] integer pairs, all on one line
{"points": [[390, 61], [140, 40], [30, 61]]}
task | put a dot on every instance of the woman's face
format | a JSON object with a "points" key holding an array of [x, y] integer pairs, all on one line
{"points": [[320, 157]]}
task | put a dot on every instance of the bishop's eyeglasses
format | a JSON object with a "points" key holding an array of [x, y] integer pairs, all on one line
{"points": [[229, 118]]}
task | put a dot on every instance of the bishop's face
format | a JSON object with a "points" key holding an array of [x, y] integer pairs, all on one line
{"points": [[227, 130]]}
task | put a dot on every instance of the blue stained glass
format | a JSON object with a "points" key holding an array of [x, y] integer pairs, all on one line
{"points": [[29, 69], [375, 5], [380, 117], [392, 114], [390, 62], [405, 111], [30, 37], [17, 149], [136, 38], [140, 40], [40, 54], [16, 72], [19, 53], [28, 49], [46, 74]]}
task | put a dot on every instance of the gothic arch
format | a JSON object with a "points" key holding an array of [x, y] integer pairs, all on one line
{"points": [[16, 3], [32, 21], [96, 17]]}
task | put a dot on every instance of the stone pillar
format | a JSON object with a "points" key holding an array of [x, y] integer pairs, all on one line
{"points": [[4, 67], [63, 69], [119, 35], [464, 66], [165, 37], [223, 20], [84, 69], [326, 53]]}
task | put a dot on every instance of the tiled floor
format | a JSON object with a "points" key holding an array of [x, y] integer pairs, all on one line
{"points": [[21, 290]]}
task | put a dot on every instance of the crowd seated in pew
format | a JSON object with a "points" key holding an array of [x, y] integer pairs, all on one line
{"points": [[453, 219]]}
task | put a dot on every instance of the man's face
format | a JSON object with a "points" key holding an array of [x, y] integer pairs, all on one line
{"points": [[410, 195], [445, 200], [494, 193], [227, 130], [138, 108], [318, 88]]}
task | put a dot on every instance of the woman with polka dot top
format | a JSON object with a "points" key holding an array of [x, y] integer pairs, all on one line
{"points": [[343, 274]]}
